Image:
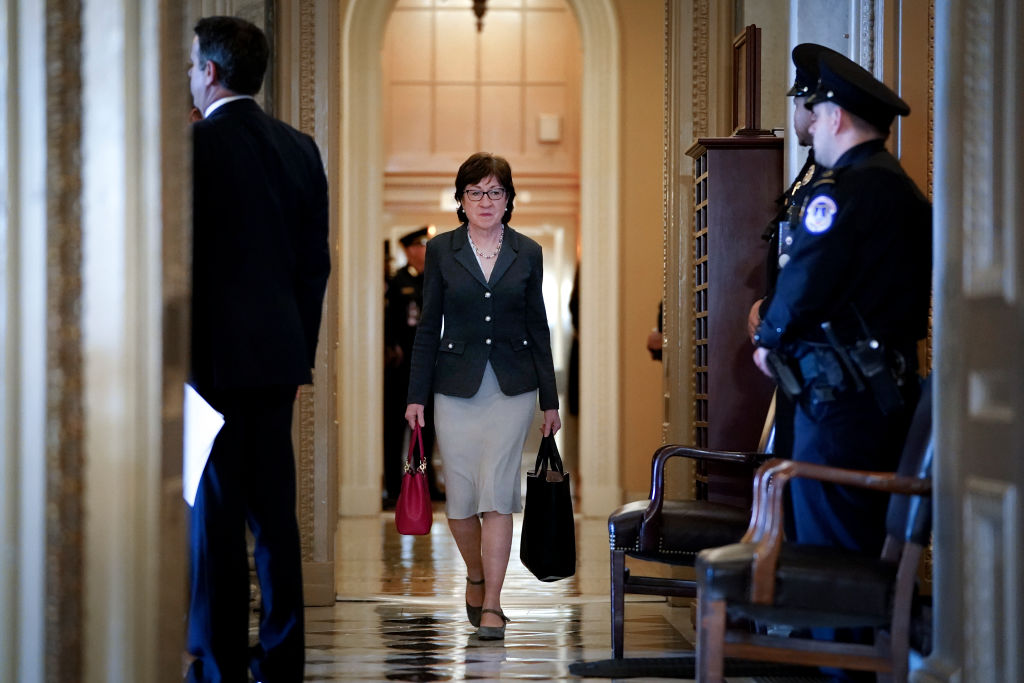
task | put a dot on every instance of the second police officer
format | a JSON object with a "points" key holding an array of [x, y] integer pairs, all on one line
{"points": [[780, 232]]}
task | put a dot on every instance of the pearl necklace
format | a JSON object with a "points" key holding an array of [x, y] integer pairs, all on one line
{"points": [[501, 236]]}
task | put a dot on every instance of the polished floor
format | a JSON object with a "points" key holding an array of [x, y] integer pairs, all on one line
{"points": [[400, 613], [400, 609]]}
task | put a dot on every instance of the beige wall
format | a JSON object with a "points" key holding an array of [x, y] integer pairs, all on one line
{"points": [[449, 90], [915, 140], [642, 25]]}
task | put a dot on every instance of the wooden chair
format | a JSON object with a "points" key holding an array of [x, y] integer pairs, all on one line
{"points": [[764, 580], [669, 531]]}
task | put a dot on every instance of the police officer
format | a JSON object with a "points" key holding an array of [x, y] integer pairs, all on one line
{"points": [[855, 291], [850, 306], [780, 232], [404, 300]]}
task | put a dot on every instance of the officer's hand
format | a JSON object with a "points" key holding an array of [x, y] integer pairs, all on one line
{"points": [[551, 423], [654, 341], [761, 360], [754, 319], [414, 415]]}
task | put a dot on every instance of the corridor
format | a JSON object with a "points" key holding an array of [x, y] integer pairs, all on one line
{"points": [[400, 613]]}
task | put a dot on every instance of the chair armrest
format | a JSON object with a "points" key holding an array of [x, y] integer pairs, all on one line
{"points": [[767, 532], [651, 525], [764, 479]]}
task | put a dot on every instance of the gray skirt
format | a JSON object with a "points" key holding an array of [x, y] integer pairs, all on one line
{"points": [[481, 441]]}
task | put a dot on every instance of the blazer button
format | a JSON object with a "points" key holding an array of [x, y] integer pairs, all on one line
{"points": [[487, 295], [451, 346], [487, 341], [487, 318]]}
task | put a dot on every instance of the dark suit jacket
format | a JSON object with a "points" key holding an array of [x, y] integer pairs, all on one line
{"points": [[501, 320], [260, 252]]}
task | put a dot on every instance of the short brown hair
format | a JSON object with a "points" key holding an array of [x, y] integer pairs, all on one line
{"points": [[476, 168], [239, 49]]}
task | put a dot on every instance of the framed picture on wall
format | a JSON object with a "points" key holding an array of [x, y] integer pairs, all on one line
{"points": [[746, 83]]}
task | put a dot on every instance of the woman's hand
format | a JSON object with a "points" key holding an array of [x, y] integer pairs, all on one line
{"points": [[414, 415], [551, 423]]}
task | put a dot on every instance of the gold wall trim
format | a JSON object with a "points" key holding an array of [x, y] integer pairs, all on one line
{"points": [[307, 67], [667, 167], [305, 471], [64, 367], [931, 101], [867, 35], [305, 408], [701, 67]]}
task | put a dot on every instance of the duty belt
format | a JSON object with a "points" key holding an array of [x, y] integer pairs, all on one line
{"points": [[824, 378], [828, 373]]}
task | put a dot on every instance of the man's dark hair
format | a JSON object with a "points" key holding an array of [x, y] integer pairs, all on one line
{"points": [[238, 48], [476, 168]]}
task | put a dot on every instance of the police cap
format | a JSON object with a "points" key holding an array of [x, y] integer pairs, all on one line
{"points": [[805, 59], [417, 236], [849, 85]]}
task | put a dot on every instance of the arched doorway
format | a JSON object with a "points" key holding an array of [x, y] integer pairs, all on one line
{"points": [[359, 344]]}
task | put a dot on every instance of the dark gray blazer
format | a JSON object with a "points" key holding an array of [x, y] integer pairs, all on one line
{"points": [[502, 320]]}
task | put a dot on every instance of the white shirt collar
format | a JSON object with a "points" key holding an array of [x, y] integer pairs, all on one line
{"points": [[224, 100]]}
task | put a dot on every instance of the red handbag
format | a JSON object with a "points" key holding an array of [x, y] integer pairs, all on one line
{"points": [[413, 512]]}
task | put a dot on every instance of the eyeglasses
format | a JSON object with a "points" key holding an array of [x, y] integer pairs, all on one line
{"points": [[495, 194]]}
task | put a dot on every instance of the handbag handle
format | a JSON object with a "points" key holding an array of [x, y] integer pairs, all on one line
{"points": [[547, 456], [414, 439]]}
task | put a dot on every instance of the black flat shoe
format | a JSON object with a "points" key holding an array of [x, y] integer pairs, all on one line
{"points": [[493, 632], [474, 613]]}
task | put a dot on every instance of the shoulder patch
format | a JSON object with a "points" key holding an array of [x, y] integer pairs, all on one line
{"points": [[819, 214]]}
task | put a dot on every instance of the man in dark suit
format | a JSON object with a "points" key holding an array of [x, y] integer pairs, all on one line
{"points": [[260, 267]]}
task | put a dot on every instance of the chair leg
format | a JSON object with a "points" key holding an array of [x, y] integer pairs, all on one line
{"points": [[710, 640], [618, 589]]}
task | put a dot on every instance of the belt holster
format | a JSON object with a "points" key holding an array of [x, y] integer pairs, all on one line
{"points": [[786, 374]]}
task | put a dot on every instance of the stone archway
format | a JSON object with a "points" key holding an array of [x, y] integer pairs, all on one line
{"points": [[360, 290]]}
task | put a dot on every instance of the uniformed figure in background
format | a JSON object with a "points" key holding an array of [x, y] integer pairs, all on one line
{"points": [[403, 302], [781, 231], [849, 307]]}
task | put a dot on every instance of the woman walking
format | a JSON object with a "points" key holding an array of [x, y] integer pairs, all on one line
{"points": [[484, 351]]}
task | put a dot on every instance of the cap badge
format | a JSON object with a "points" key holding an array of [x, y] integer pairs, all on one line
{"points": [[819, 214]]}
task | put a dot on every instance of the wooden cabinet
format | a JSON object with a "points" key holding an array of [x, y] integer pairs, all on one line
{"points": [[736, 183]]}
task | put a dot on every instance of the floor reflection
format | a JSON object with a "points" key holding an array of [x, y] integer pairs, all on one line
{"points": [[400, 614]]}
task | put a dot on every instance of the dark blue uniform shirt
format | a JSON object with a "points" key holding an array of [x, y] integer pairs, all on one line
{"points": [[864, 248]]}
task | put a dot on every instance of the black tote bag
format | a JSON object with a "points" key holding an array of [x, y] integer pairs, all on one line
{"points": [[548, 545]]}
